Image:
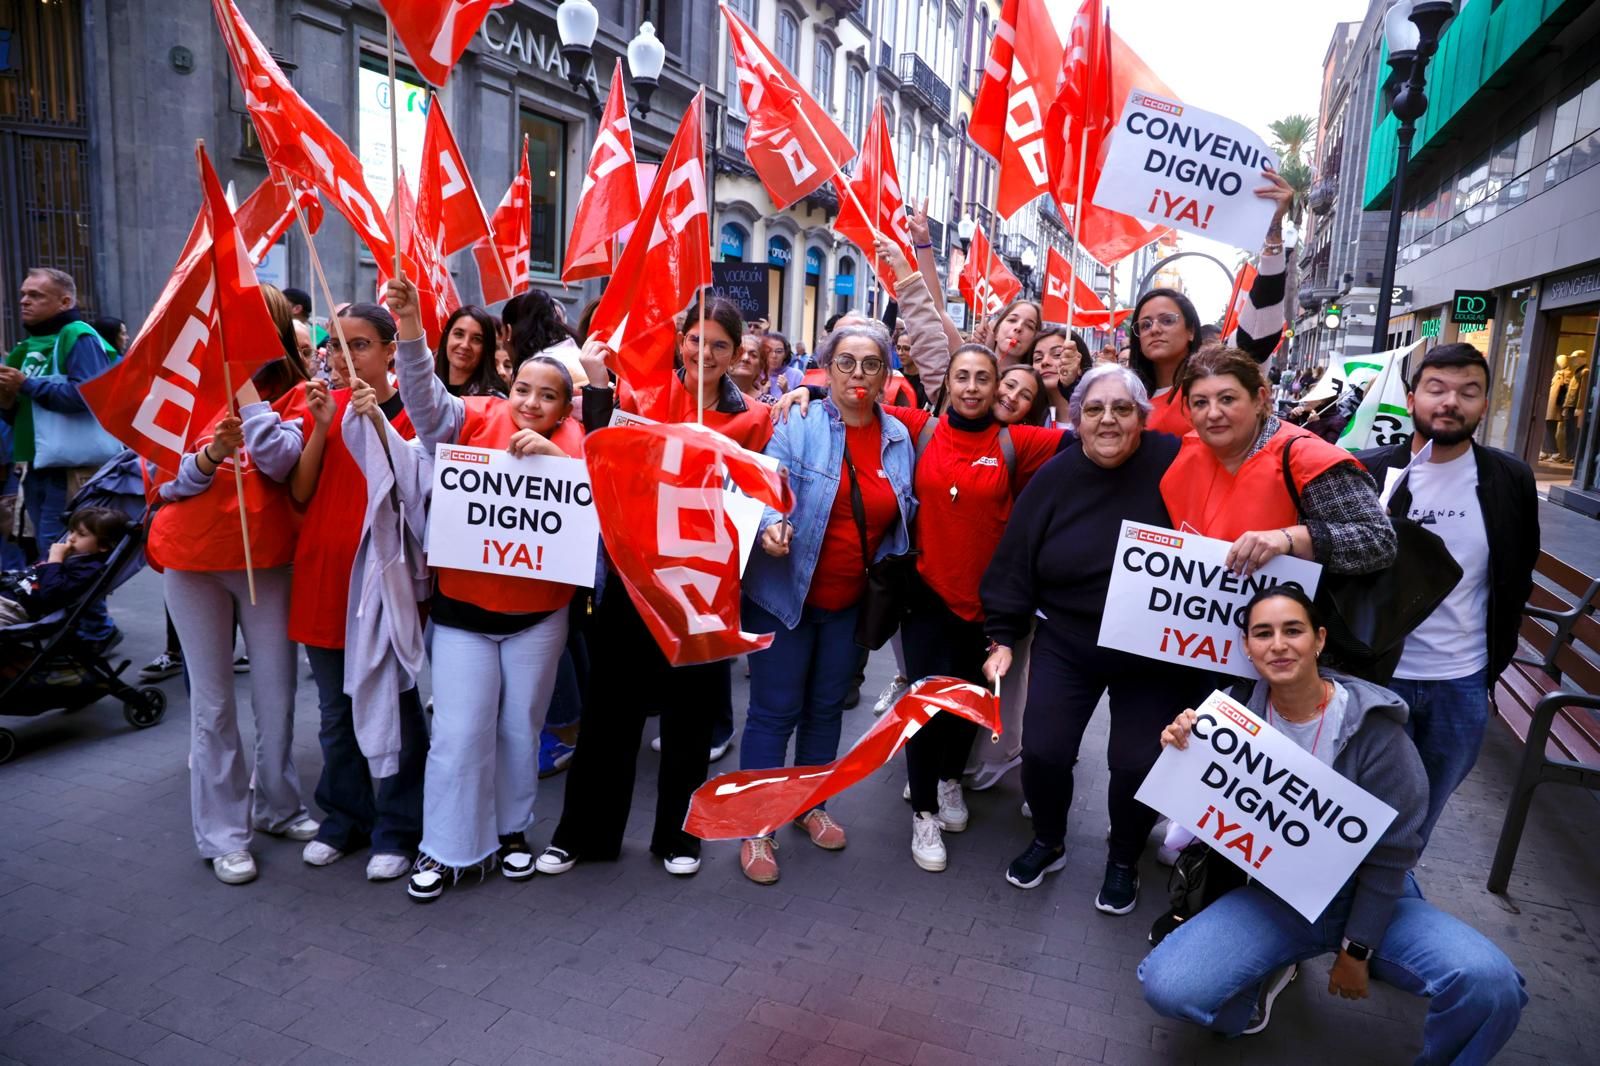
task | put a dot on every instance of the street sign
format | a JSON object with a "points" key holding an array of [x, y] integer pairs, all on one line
{"points": [[1471, 307], [1400, 296]]}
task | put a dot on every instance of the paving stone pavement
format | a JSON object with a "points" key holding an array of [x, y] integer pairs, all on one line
{"points": [[118, 945]]}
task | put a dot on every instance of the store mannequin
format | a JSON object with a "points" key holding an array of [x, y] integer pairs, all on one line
{"points": [[1559, 383], [1572, 405]]}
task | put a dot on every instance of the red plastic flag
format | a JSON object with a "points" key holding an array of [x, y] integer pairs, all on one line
{"points": [[750, 803], [1059, 279], [504, 260], [1240, 295], [609, 201], [436, 32], [268, 212], [877, 187], [1084, 111], [791, 141], [659, 274], [448, 208], [436, 289], [658, 493], [986, 283], [170, 386], [1019, 85]]}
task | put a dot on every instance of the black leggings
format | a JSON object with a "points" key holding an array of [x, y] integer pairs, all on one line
{"points": [[939, 641], [1067, 675]]}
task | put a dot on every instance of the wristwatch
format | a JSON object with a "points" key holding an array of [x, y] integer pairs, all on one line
{"points": [[1359, 952]]}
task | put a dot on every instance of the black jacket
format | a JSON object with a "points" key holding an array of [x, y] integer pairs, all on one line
{"points": [[1511, 519]]}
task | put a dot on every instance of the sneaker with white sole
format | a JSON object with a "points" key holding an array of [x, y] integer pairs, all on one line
{"points": [[927, 842], [385, 867], [516, 859], [317, 853], [162, 667], [681, 865], [241, 665], [953, 814], [891, 695], [1119, 891], [989, 774], [655, 744], [554, 860], [757, 860], [304, 827], [428, 879], [719, 750], [1271, 989], [234, 868], [1028, 869], [905, 793]]}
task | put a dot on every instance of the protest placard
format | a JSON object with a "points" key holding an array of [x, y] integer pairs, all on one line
{"points": [[1187, 168], [500, 514], [1266, 805], [1173, 598]]}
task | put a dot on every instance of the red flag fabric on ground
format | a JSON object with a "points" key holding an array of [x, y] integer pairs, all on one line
{"points": [[436, 32], [986, 283], [1240, 295], [663, 265], [504, 259], [1059, 280], [169, 387], [750, 803], [1083, 104], [1018, 87], [791, 141], [609, 201], [659, 498], [268, 212], [877, 187], [436, 289], [448, 208]]}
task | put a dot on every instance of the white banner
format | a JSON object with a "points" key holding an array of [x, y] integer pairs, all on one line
{"points": [[1355, 373], [1382, 419], [1267, 805], [1173, 598], [1189, 169], [524, 517]]}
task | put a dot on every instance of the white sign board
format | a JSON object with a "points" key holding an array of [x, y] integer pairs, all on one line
{"points": [[496, 513], [1173, 598], [1189, 169], [1267, 805]]}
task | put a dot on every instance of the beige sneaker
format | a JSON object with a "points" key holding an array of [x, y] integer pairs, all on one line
{"points": [[758, 861], [822, 829]]}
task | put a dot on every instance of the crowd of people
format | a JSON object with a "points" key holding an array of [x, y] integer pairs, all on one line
{"points": [[992, 471]]}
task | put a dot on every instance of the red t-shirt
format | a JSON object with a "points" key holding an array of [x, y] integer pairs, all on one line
{"points": [[840, 576], [958, 532]]}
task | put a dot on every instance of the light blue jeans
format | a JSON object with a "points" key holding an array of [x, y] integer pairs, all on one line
{"points": [[1447, 722], [1210, 969]]}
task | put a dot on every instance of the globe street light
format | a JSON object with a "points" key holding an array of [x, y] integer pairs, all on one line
{"points": [[577, 23]]}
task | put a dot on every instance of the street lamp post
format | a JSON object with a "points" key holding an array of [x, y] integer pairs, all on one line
{"points": [[964, 230], [577, 23], [1411, 28], [1030, 262]]}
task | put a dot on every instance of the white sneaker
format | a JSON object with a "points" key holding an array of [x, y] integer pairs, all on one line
{"points": [[302, 828], [1271, 989], [553, 861], [952, 807], [681, 865], [719, 750], [989, 774], [386, 867], [317, 853], [234, 868], [927, 843], [891, 695]]}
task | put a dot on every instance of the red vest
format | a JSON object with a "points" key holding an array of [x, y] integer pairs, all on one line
{"points": [[1169, 414], [488, 424], [1200, 492]]}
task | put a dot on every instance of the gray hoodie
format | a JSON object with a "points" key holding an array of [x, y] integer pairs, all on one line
{"points": [[1372, 750]]}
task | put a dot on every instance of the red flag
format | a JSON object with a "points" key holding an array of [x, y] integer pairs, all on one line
{"points": [[751, 803], [436, 289], [658, 496], [295, 139], [609, 201], [1019, 85], [877, 187], [791, 141], [1059, 279], [658, 276], [1084, 106], [436, 32], [448, 208], [169, 387], [268, 212], [1238, 298], [986, 283], [504, 260]]}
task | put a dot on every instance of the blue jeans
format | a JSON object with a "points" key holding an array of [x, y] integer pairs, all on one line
{"points": [[798, 686], [1447, 722], [44, 496], [1209, 970], [355, 808]]}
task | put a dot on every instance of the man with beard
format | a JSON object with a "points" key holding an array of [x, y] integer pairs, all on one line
{"points": [[1482, 503]]}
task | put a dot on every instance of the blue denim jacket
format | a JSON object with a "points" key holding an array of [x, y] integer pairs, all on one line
{"points": [[812, 450]]}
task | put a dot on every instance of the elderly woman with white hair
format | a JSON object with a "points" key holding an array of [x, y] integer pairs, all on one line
{"points": [[1051, 570]]}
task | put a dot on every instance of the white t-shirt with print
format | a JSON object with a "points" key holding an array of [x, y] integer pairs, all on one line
{"points": [[1451, 642]]}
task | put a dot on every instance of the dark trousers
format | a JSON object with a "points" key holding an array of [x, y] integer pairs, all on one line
{"points": [[356, 809], [1067, 675], [939, 641], [630, 680]]}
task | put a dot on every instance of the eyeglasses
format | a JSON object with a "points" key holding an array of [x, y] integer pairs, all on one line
{"points": [[1093, 412], [715, 347], [870, 366], [359, 346], [1166, 320]]}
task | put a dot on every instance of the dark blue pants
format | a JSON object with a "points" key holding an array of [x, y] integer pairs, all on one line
{"points": [[797, 687]]}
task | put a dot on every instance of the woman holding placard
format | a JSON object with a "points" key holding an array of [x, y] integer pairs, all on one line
{"points": [[496, 638], [1224, 967]]}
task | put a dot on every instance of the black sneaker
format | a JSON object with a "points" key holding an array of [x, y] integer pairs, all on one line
{"points": [[1028, 869], [1119, 892], [428, 878], [516, 858]]}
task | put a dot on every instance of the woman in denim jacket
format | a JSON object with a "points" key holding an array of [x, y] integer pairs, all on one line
{"points": [[849, 466]]}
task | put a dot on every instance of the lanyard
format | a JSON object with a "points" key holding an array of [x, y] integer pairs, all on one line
{"points": [[1322, 720]]}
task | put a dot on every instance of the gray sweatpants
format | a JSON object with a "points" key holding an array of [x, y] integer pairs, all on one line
{"points": [[202, 606]]}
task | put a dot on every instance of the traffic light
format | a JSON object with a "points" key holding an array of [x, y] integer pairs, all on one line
{"points": [[1334, 316]]}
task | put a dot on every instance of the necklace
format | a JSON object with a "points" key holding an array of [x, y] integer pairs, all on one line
{"points": [[1322, 718]]}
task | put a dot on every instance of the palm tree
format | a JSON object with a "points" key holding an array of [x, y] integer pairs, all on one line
{"points": [[1292, 139]]}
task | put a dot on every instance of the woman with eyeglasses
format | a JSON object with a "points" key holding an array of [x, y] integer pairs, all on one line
{"points": [[778, 372], [1164, 329], [630, 678]]}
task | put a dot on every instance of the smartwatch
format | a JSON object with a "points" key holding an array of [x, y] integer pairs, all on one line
{"points": [[1359, 952]]}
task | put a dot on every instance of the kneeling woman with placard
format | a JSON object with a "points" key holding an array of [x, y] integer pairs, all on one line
{"points": [[496, 639]]}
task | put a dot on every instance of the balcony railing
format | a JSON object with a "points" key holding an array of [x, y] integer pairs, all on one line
{"points": [[919, 78]]}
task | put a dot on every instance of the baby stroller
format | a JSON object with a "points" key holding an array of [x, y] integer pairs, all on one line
{"points": [[47, 665]]}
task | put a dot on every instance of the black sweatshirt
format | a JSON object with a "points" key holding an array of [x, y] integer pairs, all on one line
{"points": [[1060, 543]]}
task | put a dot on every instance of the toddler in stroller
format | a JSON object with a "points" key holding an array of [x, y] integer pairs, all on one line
{"points": [[70, 569]]}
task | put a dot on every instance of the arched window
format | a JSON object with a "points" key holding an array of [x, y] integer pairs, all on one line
{"points": [[891, 16], [788, 41], [822, 73], [735, 239], [903, 155], [855, 84], [924, 166]]}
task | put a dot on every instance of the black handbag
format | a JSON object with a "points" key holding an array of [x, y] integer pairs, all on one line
{"points": [[1199, 878], [884, 602], [1369, 616]]}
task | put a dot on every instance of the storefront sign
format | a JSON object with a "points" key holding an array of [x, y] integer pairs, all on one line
{"points": [[813, 262], [372, 130], [1471, 307], [844, 284], [745, 284], [779, 251], [732, 242], [1580, 286], [515, 40], [1432, 326], [1267, 805]]}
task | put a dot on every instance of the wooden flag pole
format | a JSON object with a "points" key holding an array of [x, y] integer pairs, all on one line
{"points": [[394, 151], [238, 485], [700, 304], [1077, 222]]}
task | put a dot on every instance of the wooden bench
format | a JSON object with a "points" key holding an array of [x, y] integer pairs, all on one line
{"points": [[1550, 697]]}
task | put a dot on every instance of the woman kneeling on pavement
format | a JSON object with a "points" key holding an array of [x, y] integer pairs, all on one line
{"points": [[849, 465], [496, 639], [1224, 967]]}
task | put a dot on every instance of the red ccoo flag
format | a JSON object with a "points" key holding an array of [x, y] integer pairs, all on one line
{"points": [[436, 32], [169, 387], [448, 208], [791, 141], [659, 274], [1087, 307], [436, 289], [504, 259], [268, 212], [877, 188], [1242, 283], [1083, 115], [609, 202], [1019, 84], [986, 283]]}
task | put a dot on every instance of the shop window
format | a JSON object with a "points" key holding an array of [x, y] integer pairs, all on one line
{"points": [[372, 124], [1505, 365], [547, 160], [1566, 400]]}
